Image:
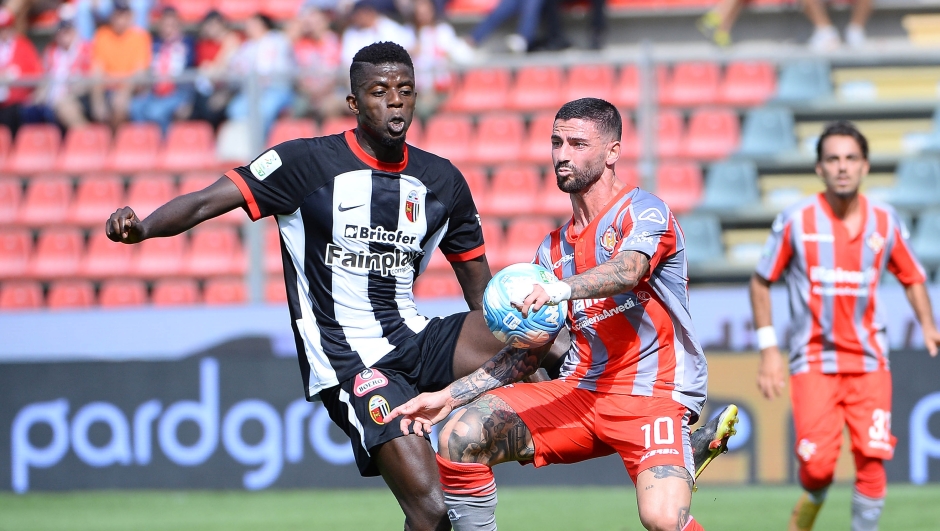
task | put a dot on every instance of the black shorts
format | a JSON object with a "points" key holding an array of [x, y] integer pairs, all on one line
{"points": [[424, 363]]}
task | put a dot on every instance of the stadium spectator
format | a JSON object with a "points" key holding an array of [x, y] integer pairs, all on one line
{"points": [[121, 54], [367, 26], [67, 56], [436, 48], [19, 61], [92, 13], [554, 37], [265, 58], [528, 13], [317, 53], [215, 47], [173, 54], [831, 250]]}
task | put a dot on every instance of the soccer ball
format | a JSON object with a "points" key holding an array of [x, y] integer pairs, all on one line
{"points": [[514, 283]]}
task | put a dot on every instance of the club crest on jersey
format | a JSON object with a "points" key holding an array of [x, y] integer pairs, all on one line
{"points": [[368, 380], [265, 164], [412, 206], [378, 409], [876, 242], [609, 239]]}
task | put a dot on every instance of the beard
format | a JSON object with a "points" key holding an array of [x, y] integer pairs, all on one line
{"points": [[580, 178], [392, 142]]}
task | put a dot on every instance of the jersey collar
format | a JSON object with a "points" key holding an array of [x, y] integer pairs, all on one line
{"points": [[372, 162]]}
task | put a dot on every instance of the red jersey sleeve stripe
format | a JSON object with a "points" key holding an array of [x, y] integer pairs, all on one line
{"points": [[465, 256], [253, 212], [784, 253], [903, 264]]}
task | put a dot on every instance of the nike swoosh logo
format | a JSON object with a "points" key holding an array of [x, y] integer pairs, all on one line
{"points": [[341, 208]]}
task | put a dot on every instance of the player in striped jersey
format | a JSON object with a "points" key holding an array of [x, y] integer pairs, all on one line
{"points": [[831, 249], [635, 375]]}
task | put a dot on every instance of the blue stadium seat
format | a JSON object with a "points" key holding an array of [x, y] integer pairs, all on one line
{"points": [[933, 141], [925, 238], [804, 80], [918, 183], [702, 238], [767, 131], [731, 185]]}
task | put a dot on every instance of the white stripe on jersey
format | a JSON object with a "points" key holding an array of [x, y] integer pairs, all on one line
{"points": [[353, 419], [404, 295]]}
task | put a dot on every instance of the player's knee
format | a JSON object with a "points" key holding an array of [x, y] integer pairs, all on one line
{"points": [[660, 520], [462, 439], [429, 515], [816, 476]]}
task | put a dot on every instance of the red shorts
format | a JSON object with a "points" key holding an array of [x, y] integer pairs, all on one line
{"points": [[569, 425], [824, 403]]}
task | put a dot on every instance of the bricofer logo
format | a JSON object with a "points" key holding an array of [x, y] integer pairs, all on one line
{"points": [[378, 234], [386, 264]]}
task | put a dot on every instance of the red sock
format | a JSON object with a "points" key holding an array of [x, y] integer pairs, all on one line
{"points": [[870, 477], [692, 525], [471, 479]]}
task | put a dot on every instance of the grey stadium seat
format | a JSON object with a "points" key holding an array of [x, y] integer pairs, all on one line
{"points": [[702, 238], [804, 80], [918, 183], [768, 131], [926, 238], [731, 185]]}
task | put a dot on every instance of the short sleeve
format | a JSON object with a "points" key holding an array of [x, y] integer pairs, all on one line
{"points": [[901, 262], [463, 240], [275, 182], [777, 251], [652, 231]]}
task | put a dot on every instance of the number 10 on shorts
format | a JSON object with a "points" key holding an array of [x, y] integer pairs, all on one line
{"points": [[659, 431]]}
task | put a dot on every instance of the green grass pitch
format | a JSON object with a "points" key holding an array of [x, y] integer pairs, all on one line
{"points": [[908, 508]]}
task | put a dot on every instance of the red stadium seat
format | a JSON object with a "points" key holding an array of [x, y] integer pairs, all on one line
{"points": [[6, 139], [748, 83], [536, 88], [589, 81], [693, 83], [669, 129], [493, 235], [274, 290], [523, 238], [477, 181], [273, 260], [448, 136], [46, 202], [175, 292], [193, 182], [626, 91], [11, 195], [290, 128], [338, 125], [227, 290], [96, 199], [149, 191], [85, 149], [627, 173], [281, 9], [537, 146], [437, 263], [191, 10], [238, 10], [214, 251], [20, 295], [483, 89], [630, 140], [436, 285], [58, 253], [189, 146], [159, 257], [68, 294], [34, 149], [679, 185], [550, 201], [16, 246], [104, 258], [136, 146], [415, 135], [713, 134], [512, 192], [498, 139], [118, 293], [471, 7]]}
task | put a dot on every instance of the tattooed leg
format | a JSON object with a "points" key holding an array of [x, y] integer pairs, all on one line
{"points": [[488, 432], [664, 496]]}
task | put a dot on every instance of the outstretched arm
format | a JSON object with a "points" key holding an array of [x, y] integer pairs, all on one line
{"points": [[178, 215], [473, 276], [920, 302]]}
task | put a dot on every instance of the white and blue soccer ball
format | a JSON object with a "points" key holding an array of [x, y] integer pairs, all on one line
{"points": [[514, 284]]}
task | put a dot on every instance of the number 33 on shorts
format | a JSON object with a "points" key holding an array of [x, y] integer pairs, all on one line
{"points": [[879, 434]]}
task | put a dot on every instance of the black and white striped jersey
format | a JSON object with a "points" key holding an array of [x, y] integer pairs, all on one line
{"points": [[355, 233]]}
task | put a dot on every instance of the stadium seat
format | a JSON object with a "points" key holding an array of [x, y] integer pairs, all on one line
{"points": [[189, 146], [338, 125], [731, 185], [191, 10], [537, 146], [627, 173], [925, 239], [238, 10], [46, 202], [20, 295], [159, 257], [550, 201], [281, 9], [6, 139], [690, 84], [448, 136], [523, 237], [804, 80], [498, 138], [436, 285], [415, 135], [437, 263], [702, 238], [135, 148], [149, 191], [918, 183], [214, 251], [630, 139], [104, 258], [713, 134], [273, 259], [588, 81], [768, 131], [748, 83], [233, 146], [669, 131], [97, 197], [290, 128], [626, 92], [16, 246], [513, 191], [536, 88], [679, 184], [85, 149], [58, 253], [119, 293], [175, 292], [482, 89], [470, 7], [34, 149], [11, 196], [193, 182], [71, 294], [274, 290], [227, 290], [477, 181]]}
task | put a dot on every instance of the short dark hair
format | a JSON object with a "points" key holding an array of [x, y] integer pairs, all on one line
{"points": [[842, 128], [378, 53], [601, 112]]}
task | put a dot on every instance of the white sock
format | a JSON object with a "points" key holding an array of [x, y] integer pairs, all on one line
{"points": [[471, 513], [866, 512]]}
